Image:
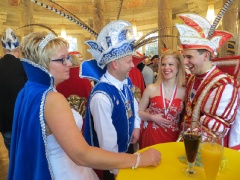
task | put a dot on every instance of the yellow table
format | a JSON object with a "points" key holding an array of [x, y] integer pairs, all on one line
{"points": [[171, 168]]}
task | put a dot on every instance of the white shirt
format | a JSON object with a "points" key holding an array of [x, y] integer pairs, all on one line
{"points": [[101, 111]]}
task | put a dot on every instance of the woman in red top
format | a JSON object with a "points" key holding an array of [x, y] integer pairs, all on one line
{"points": [[162, 102]]}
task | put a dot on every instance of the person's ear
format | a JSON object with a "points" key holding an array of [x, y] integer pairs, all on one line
{"points": [[207, 55], [115, 64]]}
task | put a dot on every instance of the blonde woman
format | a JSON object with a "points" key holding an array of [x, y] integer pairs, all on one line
{"points": [[47, 142], [162, 102]]}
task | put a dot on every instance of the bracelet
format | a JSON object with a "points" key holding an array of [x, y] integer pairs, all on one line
{"points": [[138, 160]]}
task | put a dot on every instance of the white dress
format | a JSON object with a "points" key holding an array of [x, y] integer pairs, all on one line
{"points": [[63, 167]]}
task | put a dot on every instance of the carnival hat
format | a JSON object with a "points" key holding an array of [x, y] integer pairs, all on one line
{"points": [[194, 34], [138, 59], [77, 54], [9, 40], [111, 44]]}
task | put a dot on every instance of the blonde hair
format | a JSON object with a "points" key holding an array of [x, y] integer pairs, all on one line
{"points": [[181, 68], [30, 48]]}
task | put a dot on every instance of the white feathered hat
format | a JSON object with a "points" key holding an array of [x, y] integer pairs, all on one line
{"points": [[112, 43], [9, 40], [194, 34]]}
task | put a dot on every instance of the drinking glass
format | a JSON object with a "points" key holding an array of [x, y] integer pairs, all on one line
{"points": [[212, 152], [191, 134]]}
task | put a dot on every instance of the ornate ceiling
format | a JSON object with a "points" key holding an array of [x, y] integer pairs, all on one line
{"points": [[144, 13]]}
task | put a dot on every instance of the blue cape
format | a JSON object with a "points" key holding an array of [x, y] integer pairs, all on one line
{"points": [[29, 155]]}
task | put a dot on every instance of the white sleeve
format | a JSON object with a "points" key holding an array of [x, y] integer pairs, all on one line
{"points": [[223, 104], [220, 108], [234, 134], [101, 111], [137, 120]]}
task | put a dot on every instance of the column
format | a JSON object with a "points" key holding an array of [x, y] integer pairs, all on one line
{"points": [[26, 16], [98, 18], [82, 47], [164, 22], [3, 18], [230, 23]]}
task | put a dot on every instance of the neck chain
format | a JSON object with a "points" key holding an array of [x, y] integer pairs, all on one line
{"points": [[125, 98]]}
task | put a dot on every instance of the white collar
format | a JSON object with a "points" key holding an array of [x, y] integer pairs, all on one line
{"points": [[107, 77]]}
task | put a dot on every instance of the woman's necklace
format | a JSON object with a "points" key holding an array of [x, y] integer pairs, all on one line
{"points": [[167, 90], [163, 98]]}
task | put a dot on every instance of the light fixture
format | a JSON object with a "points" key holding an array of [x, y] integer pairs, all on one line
{"points": [[135, 34], [63, 33], [210, 13], [134, 30]]}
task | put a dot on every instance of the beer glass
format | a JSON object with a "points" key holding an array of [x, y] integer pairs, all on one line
{"points": [[191, 134]]}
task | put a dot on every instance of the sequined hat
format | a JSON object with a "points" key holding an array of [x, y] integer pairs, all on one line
{"points": [[111, 44], [194, 34], [9, 40]]}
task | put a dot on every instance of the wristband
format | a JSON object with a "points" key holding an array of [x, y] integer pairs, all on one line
{"points": [[138, 160]]}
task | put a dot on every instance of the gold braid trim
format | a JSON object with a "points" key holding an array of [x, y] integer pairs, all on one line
{"points": [[216, 124], [203, 86], [226, 63], [196, 111], [222, 121], [78, 103], [235, 93], [219, 91], [137, 93]]}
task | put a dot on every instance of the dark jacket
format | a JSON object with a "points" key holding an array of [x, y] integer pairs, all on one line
{"points": [[12, 79]]}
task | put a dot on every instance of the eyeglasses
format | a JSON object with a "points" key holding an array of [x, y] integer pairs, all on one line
{"points": [[64, 60]]}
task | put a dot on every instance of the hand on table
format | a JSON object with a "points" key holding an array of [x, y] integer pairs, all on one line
{"points": [[150, 157]]}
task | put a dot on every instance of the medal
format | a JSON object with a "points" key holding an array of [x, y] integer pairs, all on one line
{"points": [[189, 109], [128, 110], [129, 113], [125, 96]]}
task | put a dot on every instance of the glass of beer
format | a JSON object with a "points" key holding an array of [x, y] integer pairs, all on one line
{"points": [[191, 134], [212, 152]]}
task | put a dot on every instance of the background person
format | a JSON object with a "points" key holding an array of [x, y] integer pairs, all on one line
{"points": [[47, 141], [147, 73], [154, 66], [12, 79]]}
